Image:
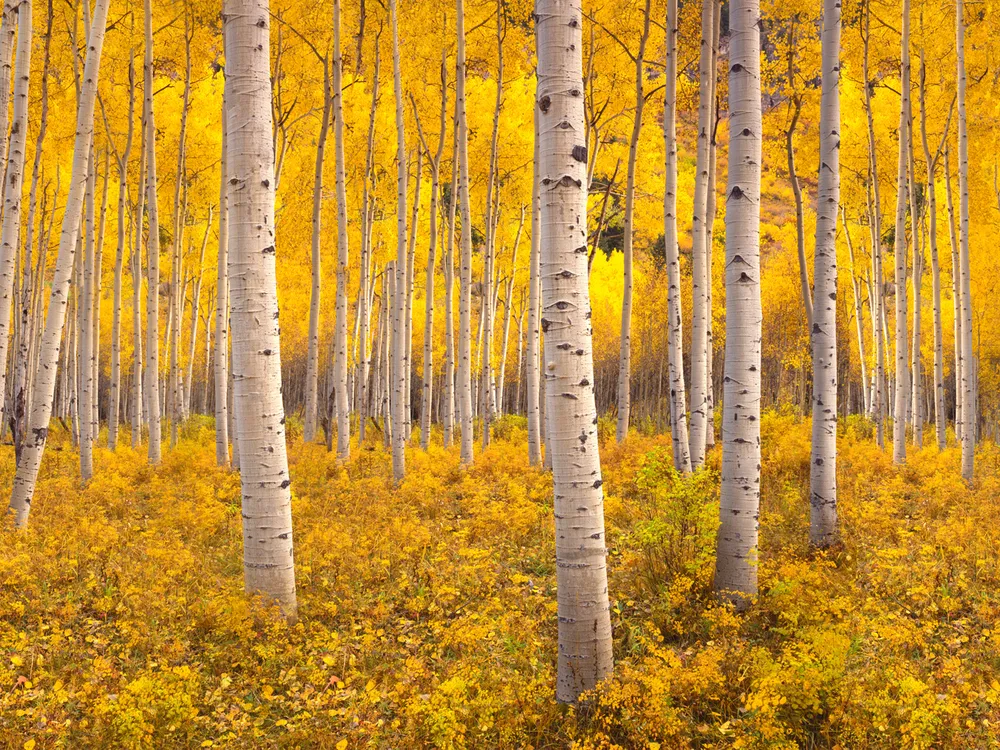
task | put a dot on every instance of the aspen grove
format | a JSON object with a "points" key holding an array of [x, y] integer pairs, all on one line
{"points": [[499, 373]]}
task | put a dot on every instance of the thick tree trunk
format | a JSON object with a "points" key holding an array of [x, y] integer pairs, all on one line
{"points": [[675, 330], [823, 528], [736, 566], [45, 374], [267, 519], [902, 363], [967, 381], [585, 656], [340, 334]]}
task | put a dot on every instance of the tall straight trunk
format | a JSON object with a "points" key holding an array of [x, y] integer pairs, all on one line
{"points": [[340, 335], [152, 252], [625, 339], [710, 213], [448, 412], [465, 273], [916, 220], [389, 334], [956, 293], [116, 320], [45, 375], [366, 240], [675, 330], [8, 27], [584, 656], [195, 318], [411, 252], [268, 567], [425, 407], [940, 419], [137, 222], [968, 384], [312, 353], [534, 313], [96, 319], [221, 358], [880, 395], [902, 363], [86, 351], [823, 530], [736, 566], [506, 315], [699, 232], [13, 186], [399, 363], [800, 230], [859, 319]]}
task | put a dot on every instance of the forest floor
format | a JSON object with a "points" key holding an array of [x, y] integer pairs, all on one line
{"points": [[427, 612]]}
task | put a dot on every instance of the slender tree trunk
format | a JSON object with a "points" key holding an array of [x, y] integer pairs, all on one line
{"points": [[902, 364], [448, 412], [675, 330], [859, 319], [86, 358], [625, 339], [13, 186], [96, 319], [312, 354], [535, 436], [800, 229], [340, 335], [195, 318], [916, 220], [699, 272], [585, 656], [408, 312], [366, 241], [45, 375], [823, 528], [399, 363], [137, 276], [506, 313], [736, 566], [221, 359], [152, 252], [956, 294], [267, 519], [967, 383], [710, 213], [465, 275]]}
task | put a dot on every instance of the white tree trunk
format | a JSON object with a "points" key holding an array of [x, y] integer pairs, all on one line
{"points": [[13, 186], [902, 363], [625, 339], [465, 273], [366, 284], [699, 272], [859, 319], [585, 656], [710, 212], [152, 252], [675, 331], [399, 343], [967, 381], [916, 222], [221, 358], [138, 408], [45, 374], [823, 529], [267, 518], [736, 565], [534, 313], [340, 335], [956, 293]]}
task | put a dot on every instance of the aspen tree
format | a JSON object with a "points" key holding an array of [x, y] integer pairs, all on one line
{"points": [[427, 399], [8, 27], [152, 252], [465, 263], [267, 519], [916, 219], [675, 331], [195, 318], [221, 358], [13, 186], [96, 319], [448, 412], [399, 364], [736, 563], [312, 352], [116, 320], [710, 213], [534, 303], [411, 252], [625, 340], [967, 380], [902, 364], [956, 293], [137, 221], [585, 656], [823, 529], [859, 320], [340, 335], [87, 343], [699, 273], [795, 105], [45, 375]]}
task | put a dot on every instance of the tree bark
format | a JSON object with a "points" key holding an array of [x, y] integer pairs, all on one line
{"points": [[585, 656], [968, 384], [267, 519], [902, 364], [366, 284], [535, 436], [465, 273], [343, 257], [152, 253], [399, 363], [736, 565]]}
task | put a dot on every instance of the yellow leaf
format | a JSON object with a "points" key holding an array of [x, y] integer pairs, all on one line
{"points": [[329, 661], [29, 745], [342, 745], [207, 743]]}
